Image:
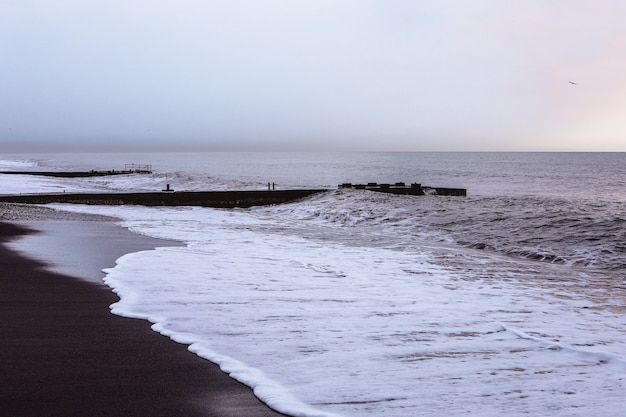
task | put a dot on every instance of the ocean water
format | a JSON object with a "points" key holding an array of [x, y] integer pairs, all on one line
{"points": [[510, 301]]}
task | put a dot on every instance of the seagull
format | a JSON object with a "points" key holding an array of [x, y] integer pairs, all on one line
{"points": [[572, 82]]}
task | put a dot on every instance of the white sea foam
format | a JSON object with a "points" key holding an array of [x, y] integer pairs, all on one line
{"points": [[24, 184], [366, 330], [16, 164]]}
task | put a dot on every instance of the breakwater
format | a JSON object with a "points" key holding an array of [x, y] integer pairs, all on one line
{"points": [[216, 199], [128, 169], [403, 189]]}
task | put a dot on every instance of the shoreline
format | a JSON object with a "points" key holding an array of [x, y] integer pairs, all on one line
{"points": [[63, 352]]}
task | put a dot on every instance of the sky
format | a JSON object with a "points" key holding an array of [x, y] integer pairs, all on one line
{"points": [[312, 75]]}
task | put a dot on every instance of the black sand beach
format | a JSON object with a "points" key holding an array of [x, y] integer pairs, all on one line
{"points": [[63, 353]]}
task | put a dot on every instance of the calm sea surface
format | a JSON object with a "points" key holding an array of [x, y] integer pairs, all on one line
{"points": [[509, 301]]}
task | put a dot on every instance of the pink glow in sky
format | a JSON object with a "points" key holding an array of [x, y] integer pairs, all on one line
{"points": [[313, 75]]}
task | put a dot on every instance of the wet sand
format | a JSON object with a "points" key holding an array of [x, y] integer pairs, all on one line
{"points": [[63, 352]]}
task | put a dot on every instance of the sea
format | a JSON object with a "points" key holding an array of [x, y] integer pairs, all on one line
{"points": [[510, 301]]}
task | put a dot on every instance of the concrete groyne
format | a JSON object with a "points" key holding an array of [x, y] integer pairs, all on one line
{"points": [[128, 169], [403, 189], [217, 199]]}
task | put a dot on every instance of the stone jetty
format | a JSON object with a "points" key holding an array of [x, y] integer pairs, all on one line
{"points": [[402, 188], [128, 169], [217, 199]]}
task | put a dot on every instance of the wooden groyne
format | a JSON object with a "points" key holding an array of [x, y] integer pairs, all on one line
{"points": [[403, 189], [217, 199]]}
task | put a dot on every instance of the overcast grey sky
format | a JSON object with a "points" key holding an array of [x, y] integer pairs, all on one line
{"points": [[388, 75]]}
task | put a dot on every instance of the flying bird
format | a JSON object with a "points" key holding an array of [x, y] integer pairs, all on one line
{"points": [[572, 82]]}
